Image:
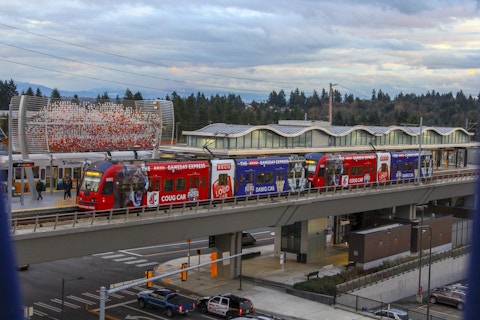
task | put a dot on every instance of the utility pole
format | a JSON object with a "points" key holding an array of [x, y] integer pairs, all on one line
{"points": [[330, 103]]}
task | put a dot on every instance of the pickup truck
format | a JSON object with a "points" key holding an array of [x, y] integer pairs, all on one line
{"points": [[226, 305], [167, 299]]}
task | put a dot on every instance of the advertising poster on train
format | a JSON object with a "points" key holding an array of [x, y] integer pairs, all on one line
{"points": [[383, 166], [222, 178]]}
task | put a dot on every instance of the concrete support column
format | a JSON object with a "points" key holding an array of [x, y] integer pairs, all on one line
{"points": [[470, 201], [226, 245], [312, 241], [407, 212]]}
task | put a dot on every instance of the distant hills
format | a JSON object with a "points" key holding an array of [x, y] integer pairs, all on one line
{"points": [[146, 94]]}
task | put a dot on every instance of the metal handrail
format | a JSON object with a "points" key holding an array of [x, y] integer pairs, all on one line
{"points": [[95, 217]]}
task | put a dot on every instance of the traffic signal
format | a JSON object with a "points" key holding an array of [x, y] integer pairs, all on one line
{"points": [[213, 265], [148, 275], [183, 274]]}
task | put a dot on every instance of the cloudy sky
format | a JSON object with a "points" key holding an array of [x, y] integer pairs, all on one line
{"points": [[409, 46]]}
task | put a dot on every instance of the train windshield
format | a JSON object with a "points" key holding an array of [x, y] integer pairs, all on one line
{"points": [[91, 181]]}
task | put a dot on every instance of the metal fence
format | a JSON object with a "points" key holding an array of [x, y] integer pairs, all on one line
{"points": [[380, 276], [368, 306]]}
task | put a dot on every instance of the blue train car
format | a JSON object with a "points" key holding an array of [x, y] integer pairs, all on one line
{"points": [[405, 165], [255, 176]]}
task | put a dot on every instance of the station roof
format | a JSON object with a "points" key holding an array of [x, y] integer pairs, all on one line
{"points": [[287, 130]]}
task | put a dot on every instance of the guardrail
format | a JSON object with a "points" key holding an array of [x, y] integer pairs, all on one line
{"points": [[32, 224]]}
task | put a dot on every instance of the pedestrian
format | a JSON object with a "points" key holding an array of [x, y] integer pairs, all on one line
{"points": [[39, 188], [67, 187]]}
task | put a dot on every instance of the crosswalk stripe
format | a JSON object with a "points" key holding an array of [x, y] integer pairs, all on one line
{"points": [[146, 264], [101, 254], [129, 292], [91, 295], [136, 261], [91, 303], [47, 306], [113, 256], [39, 313], [66, 303], [115, 295], [124, 259]]}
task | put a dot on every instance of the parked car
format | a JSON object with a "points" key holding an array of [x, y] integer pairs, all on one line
{"points": [[396, 314], [248, 239], [453, 298]]}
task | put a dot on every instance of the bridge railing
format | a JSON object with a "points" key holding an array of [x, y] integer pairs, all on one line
{"points": [[32, 224]]}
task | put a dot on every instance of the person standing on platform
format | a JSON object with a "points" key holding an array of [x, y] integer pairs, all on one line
{"points": [[39, 188], [67, 186]]}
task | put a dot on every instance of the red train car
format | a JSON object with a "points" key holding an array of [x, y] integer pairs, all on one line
{"points": [[325, 170], [108, 185]]}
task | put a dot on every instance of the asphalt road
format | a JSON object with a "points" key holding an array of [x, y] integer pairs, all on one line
{"points": [[80, 280]]}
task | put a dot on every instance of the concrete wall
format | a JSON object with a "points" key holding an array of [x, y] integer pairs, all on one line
{"points": [[406, 285]]}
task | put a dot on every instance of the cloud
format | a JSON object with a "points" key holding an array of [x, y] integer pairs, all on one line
{"points": [[243, 45]]}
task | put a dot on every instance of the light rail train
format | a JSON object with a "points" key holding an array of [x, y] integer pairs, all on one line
{"points": [[111, 184]]}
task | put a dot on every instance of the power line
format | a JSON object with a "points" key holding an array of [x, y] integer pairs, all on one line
{"points": [[123, 71], [157, 64]]}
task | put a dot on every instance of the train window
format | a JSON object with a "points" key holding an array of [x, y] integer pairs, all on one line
{"points": [[181, 184], [168, 185], [321, 172], [249, 178], [408, 166], [261, 178], [242, 179], [193, 182], [107, 188], [60, 173], [360, 171], [353, 171], [203, 182], [279, 176], [223, 179], [269, 177], [42, 174]]}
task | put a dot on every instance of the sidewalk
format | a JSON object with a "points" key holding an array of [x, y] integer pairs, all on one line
{"points": [[50, 200], [265, 299]]}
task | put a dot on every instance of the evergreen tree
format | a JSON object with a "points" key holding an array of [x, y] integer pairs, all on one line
{"points": [[55, 94], [7, 91]]}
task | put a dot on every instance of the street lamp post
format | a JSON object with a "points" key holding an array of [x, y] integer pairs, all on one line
{"points": [[422, 227], [63, 292]]}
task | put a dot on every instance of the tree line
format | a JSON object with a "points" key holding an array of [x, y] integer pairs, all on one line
{"points": [[197, 110]]}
